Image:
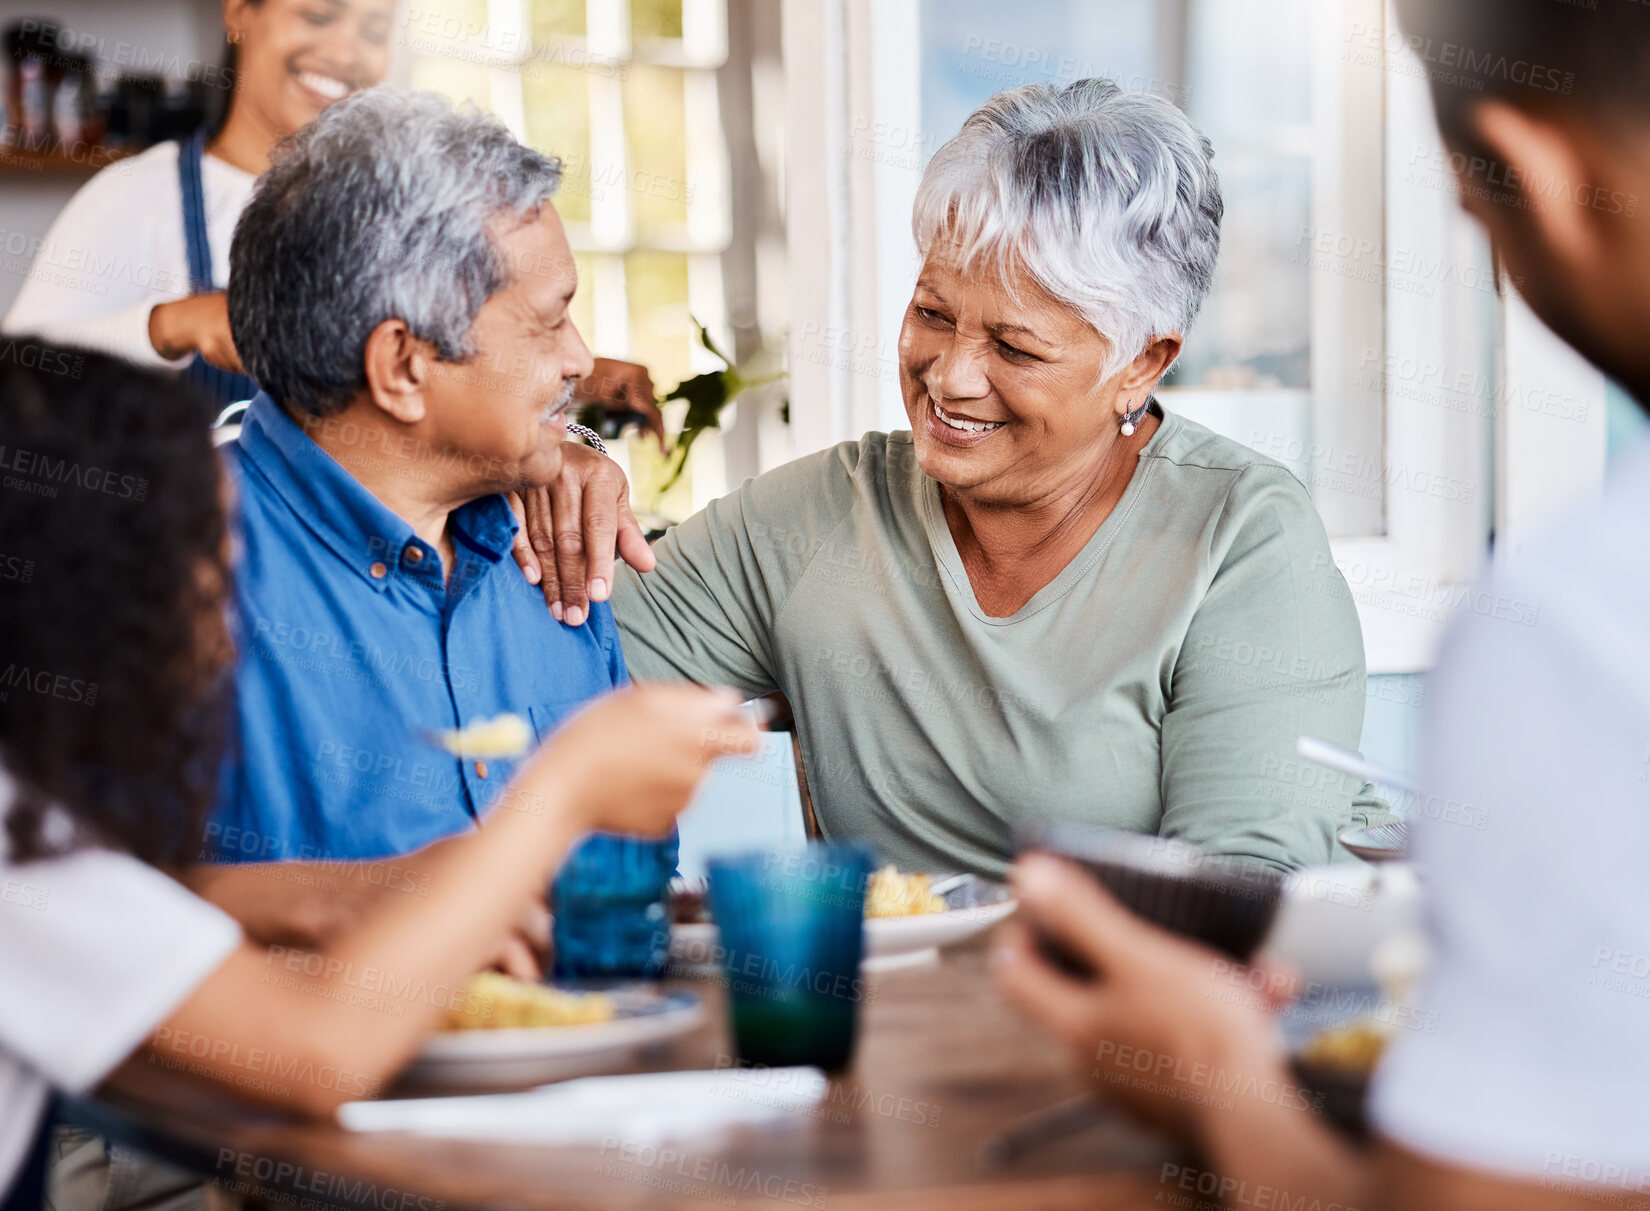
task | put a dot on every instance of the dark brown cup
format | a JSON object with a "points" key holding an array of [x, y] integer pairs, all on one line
{"points": [[1226, 903]]}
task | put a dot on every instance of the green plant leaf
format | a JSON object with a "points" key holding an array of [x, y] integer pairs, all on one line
{"points": [[706, 395], [704, 339]]}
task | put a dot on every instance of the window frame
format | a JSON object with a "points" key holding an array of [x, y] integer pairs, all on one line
{"points": [[1407, 577]]}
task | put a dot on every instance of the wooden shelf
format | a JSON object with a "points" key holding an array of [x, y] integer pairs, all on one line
{"points": [[78, 161]]}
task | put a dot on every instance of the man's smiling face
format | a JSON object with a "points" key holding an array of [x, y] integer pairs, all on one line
{"points": [[504, 410]]}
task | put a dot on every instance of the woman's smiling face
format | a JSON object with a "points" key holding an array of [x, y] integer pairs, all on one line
{"points": [[299, 56], [1002, 384]]}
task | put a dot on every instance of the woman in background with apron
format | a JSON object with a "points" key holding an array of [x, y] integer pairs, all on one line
{"points": [[136, 264], [221, 386]]}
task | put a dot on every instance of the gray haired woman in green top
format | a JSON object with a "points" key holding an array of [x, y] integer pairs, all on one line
{"points": [[1051, 597]]}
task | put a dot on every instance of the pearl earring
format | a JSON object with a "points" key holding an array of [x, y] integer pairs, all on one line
{"points": [[1129, 418]]}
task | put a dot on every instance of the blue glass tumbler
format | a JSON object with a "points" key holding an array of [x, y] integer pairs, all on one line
{"points": [[792, 936], [612, 918]]}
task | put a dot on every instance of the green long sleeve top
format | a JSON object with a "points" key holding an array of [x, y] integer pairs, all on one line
{"points": [[1158, 683]]}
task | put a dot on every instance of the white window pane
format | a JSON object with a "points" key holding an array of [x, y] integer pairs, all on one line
{"points": [[655, 121], [655, 19], [556, 104], [555, 19]]}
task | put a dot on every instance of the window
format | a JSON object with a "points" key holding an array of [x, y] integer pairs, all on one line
{"points": [[626, 93]]}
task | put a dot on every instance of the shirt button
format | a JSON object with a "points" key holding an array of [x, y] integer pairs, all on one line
{"points": [[379, 571], [413, 554], [481, 769]]}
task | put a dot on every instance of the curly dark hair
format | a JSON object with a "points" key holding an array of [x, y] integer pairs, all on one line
{"points": [[114, 581]]}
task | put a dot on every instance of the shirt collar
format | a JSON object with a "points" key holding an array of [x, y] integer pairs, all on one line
{"points": [[487, 525], [353, 523]]}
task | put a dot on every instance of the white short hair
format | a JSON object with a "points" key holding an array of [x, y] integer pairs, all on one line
{"points": [[1106, 198]]}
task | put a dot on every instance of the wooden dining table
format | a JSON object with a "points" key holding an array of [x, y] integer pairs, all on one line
{"points": [[944, 1067]]}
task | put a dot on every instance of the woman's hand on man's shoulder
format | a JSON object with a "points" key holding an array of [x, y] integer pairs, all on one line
{"points": [[570, 532]]}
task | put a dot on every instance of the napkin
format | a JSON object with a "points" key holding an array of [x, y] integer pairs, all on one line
{"points": [[644, 1108]]}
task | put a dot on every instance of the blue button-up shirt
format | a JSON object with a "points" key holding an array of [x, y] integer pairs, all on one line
{"points": [[352, 647]]}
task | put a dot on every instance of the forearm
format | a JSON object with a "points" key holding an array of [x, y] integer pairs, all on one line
{"points": [[360, 1003], [307, 903], [1288, 1159], [477, 887], [123, 333], [1269, 1136], [1233, 784], [1273, 653]]}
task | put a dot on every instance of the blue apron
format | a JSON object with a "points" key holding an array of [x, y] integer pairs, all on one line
{"points": [[221, 386]]}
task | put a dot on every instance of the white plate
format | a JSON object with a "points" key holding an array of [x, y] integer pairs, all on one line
{"points": [[1387, 842], [889, 941], [513, 1058]]}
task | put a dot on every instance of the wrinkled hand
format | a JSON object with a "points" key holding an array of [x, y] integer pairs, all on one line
{"points": [[623, 385], [197, 324], [630, 761], [571, 530], [1169, 1028]]}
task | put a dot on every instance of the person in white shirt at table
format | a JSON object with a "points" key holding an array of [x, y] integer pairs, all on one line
{"points": [[1529, 1087], [111, 718]]}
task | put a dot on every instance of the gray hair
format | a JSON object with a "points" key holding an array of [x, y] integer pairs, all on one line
{"points": [[382, 208], [1105, 198]]}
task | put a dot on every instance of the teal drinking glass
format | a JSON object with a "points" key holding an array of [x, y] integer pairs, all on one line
{"points": [[792, 935]]}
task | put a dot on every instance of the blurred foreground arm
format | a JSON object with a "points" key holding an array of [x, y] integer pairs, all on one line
{"points": [[361, 1004], [1159, 1032], [308, 904]]}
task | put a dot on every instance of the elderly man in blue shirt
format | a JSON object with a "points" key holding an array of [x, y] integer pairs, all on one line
{"points": [[400, 287]]}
